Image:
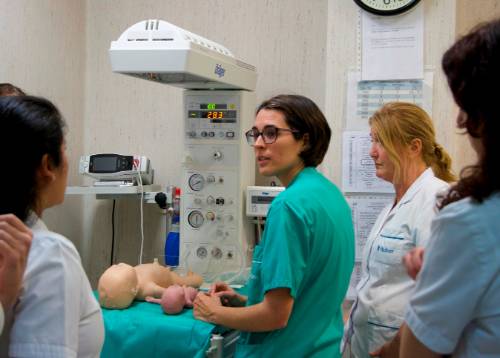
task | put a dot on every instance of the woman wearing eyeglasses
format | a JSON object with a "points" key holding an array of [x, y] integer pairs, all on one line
{"points": [[302, 266]]}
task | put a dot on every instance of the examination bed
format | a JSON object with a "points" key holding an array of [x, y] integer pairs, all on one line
{"points": [[143, 330]]}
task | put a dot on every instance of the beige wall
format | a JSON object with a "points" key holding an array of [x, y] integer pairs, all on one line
{"points": [[42, 49], [58, 48], [470, 13]]}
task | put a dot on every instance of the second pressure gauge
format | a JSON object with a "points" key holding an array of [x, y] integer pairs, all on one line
{"points": [[195, 219]]}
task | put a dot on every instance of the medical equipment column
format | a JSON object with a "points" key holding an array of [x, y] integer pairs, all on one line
{"points": [[216, 237]]}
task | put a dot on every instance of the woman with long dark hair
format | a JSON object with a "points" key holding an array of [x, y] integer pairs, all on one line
{"points": [[56, 314], [455, 307], [15, 242]]}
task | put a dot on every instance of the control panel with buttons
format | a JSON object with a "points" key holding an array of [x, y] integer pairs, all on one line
{"points": [[218, 165]]}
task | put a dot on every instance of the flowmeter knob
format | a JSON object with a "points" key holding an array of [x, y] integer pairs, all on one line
{"points": [[210, 216], [217, 253], [201, 252], [218, 155]]}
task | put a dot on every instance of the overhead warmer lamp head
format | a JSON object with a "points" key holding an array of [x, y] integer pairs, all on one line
{"points": [[159, 51]]}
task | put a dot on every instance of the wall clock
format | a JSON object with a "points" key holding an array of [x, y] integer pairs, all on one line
{"points": [[386, 7]]}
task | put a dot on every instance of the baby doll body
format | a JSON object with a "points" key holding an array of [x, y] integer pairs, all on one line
{"points": [[154, 278], [120, 284]]}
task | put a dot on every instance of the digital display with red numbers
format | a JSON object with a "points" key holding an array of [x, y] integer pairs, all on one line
{"points": [[215, 116], [218, 114]]}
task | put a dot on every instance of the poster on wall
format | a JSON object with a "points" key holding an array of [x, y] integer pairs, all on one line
{"points": [[358, 170], [365, 208], [393, 46], [365, 97]]}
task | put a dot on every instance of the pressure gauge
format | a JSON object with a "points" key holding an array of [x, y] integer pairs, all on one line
{"points": [[195, 219], [386, 7], [196, 182]]}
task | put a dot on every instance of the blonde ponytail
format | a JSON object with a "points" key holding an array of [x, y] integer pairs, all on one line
{"points": [[441, 164], [397, 124]]}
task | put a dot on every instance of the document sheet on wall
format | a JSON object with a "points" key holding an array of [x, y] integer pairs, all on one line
{"points": [[365, 97], [365, 210], [358, 170], [393, 46]]}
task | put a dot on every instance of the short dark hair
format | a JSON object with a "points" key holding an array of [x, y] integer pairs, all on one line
{"points": [[30, 127], [304, 115], [472, 67], [8, 89]]}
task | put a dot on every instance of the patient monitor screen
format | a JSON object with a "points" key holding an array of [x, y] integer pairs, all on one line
{"points": [[104, 164], [262, 199]]}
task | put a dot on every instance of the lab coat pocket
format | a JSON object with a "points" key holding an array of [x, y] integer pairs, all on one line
{"points": [[389, 247], [383, 327]]}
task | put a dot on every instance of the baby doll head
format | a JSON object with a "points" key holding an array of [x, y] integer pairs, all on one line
{"points": [[117, 286], [173, 299]]}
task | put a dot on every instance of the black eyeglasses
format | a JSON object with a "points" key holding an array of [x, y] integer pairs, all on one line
{"points": [[269, 134]]}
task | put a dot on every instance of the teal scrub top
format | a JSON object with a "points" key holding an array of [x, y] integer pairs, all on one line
{"points": [[308, 247]]}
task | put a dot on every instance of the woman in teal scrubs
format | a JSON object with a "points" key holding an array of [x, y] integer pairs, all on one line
{"points": [[302, 266]]}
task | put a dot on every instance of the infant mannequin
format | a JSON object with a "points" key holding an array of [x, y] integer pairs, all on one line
{"points": [[120, 284], [175, 298]]}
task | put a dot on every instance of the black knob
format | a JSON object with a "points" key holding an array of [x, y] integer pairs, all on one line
{"points": [[161, 200]]}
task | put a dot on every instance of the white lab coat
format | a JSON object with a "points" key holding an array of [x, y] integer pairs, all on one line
{"points": [[384, 289], [57, 314]]}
